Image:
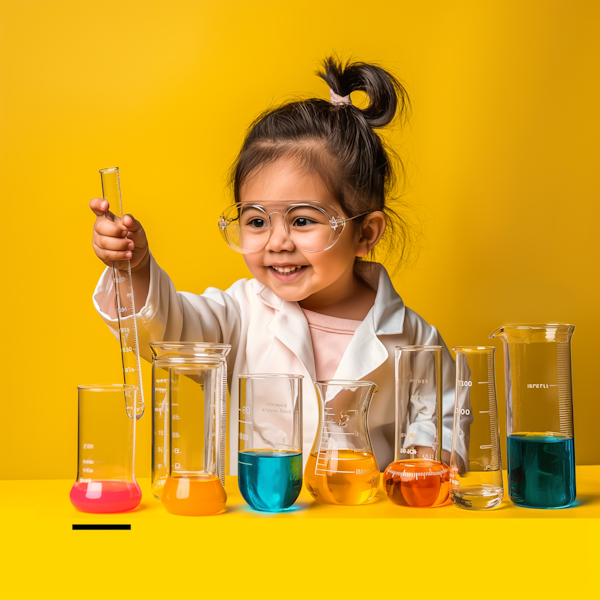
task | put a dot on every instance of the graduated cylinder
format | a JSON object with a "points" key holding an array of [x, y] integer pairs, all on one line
{"points": [[417, 477], [475, 462], [189, 396]]}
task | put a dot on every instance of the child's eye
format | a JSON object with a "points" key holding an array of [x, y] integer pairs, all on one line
{"points": [[302, 222], [257, 223]]}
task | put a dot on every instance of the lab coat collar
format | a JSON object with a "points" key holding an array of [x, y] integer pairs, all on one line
{"points": [[388, 310], [365, 352]]}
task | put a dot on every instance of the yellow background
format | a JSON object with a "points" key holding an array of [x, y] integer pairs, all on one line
{"points": [[502, 155]]}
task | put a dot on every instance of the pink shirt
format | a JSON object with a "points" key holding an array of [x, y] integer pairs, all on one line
{"points": [[330, 338]]}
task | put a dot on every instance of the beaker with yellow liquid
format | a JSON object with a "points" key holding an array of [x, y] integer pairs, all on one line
{"points": [[189, 394], [342, 468], [418, 477]]}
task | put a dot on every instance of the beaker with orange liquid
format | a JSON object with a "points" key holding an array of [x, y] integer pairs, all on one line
{"points": [[342, 468], [418, 477], [189, 396]]}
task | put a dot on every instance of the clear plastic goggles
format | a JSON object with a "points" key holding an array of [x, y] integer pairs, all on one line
{"points": [[311, 226]]}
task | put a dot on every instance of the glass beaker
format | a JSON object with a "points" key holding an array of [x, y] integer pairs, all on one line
{"points": [[106, 450], [189, 401], [539, 414], [270, 440], [475, 462], [342, 468], [418, 477]]}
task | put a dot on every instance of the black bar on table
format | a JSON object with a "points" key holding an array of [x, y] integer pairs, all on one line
{"points": [[103, 526]]}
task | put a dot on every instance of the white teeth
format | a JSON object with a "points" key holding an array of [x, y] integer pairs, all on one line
{"points": [[286, 270]]}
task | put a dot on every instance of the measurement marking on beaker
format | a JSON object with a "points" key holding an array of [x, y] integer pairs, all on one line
{"points": [[565, 416], [484, 412], [243, 463], [330, 422], [485, 447], [246, 422], [336, 471], [484, 382]]}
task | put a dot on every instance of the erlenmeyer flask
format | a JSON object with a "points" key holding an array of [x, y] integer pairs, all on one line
{"points": [[539, 414], [342, 468], [189, 419], [418, 477], [106, 450]]}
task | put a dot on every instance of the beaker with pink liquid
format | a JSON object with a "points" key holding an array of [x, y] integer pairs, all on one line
{"points": [[106, 450]]}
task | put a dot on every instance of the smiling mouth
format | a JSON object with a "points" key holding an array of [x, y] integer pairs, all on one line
{"points": [[287, 272]]}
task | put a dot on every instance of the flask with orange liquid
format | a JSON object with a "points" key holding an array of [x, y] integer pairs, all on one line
{"points": [[342, 468], [418, 477], [188, 426]]}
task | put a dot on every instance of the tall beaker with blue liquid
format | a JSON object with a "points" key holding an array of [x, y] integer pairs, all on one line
{"points": [[539, 414], [270, 440]]}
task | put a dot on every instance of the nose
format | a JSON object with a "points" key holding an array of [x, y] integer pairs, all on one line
{"points": [[279, 241]]}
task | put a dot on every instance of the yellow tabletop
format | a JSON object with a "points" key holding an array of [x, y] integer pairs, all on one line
{"points": [[348, 550]]}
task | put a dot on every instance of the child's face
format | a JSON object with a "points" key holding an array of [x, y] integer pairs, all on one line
{"points": [[320, 271]]}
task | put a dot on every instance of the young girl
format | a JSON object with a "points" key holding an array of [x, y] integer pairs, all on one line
{"points": [[310, 188]]}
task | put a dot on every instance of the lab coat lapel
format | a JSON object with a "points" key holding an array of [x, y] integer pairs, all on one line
{"points": [[290, 327], [366, 352]]}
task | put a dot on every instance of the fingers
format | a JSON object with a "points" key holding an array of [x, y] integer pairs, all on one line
{"points": [[110, 228], [110, 255], [115, 239], [135, 230], [131, 223], [112, 243], [99, 206]]}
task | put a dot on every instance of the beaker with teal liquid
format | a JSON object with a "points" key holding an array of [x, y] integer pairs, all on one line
{"points": [[270, 440], [539, 414]]}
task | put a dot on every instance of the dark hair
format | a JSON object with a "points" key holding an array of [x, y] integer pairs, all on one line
{"points": [[339, 142]]}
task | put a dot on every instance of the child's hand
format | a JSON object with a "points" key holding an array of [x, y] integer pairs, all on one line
{"points": [[117, 241]]}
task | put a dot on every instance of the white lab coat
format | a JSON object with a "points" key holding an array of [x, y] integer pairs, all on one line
{"points": [[270, 335]]}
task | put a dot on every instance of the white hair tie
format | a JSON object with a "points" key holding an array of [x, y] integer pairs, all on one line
{"points": [[339, 100]]}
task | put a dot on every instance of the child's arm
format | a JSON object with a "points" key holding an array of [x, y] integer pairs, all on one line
{"points": [[162, 314]]}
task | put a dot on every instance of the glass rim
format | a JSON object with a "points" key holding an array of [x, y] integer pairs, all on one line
{"points": [[164, 345], [108, 170], [473, 348], [417, 348], [341, 382], [269, 376], [288, 203], [536, 326], [107, 387]]}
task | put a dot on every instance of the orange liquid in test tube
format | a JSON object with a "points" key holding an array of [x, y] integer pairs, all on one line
{"points": [[200, 495]]}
